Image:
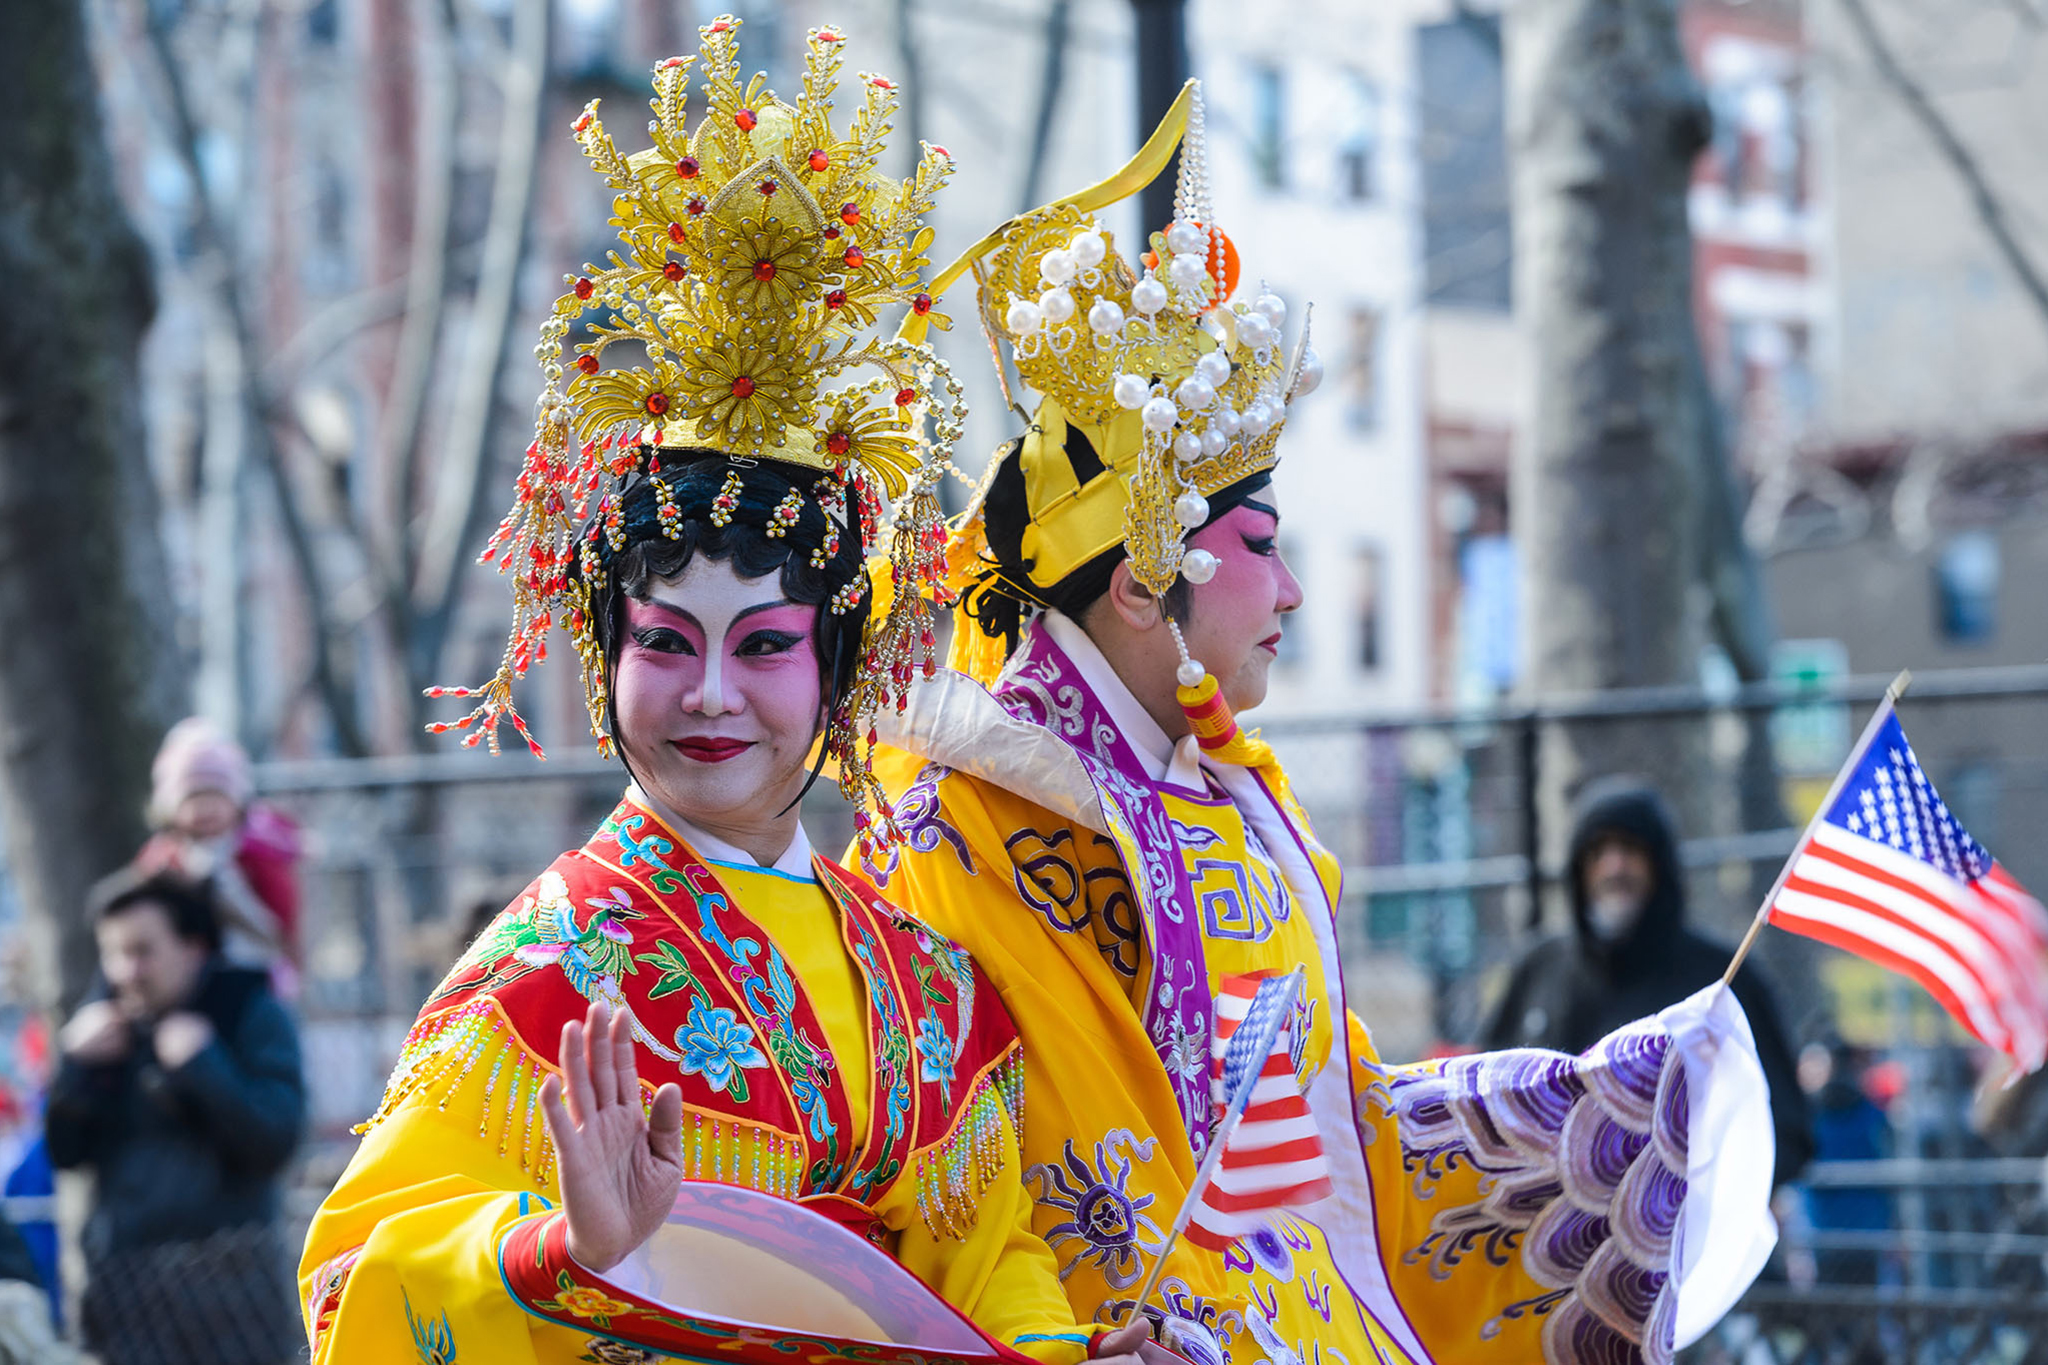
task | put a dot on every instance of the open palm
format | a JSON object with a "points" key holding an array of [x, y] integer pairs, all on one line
{"points": [[619, 1167]]}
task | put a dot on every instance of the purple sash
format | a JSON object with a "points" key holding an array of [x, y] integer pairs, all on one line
{"points": [[1043, 686]]}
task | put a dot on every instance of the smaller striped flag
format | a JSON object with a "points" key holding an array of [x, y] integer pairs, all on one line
{"points": [[1268, 1154], [1886, 871]]}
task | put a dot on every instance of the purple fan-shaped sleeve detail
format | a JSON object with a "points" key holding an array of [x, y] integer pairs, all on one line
{"points": [[1560, 1243], [1622, 1070], [1575, 1335], [1646, 1210], [1582, 1162], [1674, 1119], [1594, 1153], [1618, 1291]]}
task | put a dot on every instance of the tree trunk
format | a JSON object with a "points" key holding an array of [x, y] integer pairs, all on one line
{"points": [[89, 676], [1604, 123]]}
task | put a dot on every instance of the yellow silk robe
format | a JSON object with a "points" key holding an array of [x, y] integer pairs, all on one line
{"points": [[1062, 858], [403, 1260]]}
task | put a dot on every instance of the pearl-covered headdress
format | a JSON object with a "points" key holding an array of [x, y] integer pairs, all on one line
{"points": [[1156, 391]]}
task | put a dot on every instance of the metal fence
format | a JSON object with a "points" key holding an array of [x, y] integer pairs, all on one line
{"points": [[1451, 873]]}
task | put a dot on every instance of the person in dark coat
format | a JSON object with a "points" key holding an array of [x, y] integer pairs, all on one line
{"points": [[180, 1088], [1629, 954]]}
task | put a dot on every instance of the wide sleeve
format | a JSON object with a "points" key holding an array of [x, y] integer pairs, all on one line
{"points": [[1001, 1273], [1530, 1201], [406, 1259]]}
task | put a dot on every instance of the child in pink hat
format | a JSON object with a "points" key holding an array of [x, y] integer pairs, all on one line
{"points": [[209, 826]]}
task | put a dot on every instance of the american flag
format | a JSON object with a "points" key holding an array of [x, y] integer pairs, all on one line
{"points": [[1887, 873], [1268, 1155]]}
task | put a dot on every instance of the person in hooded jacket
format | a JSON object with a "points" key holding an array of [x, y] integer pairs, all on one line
{"points": [[1630, 954]]}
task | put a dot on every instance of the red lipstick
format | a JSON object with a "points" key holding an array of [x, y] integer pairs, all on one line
{"points": [[711, 750]]}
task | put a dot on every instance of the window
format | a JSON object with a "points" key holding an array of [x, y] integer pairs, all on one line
{"points": [[1368, 570], [1490, 612], [1269, 127], [1966, 588], [1362, 368], [1358, 155]]}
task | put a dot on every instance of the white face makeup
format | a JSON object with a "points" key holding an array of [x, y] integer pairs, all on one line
{"points": [[719, 699]]}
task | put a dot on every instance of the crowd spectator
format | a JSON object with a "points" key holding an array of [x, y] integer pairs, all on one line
{"points": [[211, 828], [28, 1333], [1848, 1125], [179, 1088], [1629, 953]]}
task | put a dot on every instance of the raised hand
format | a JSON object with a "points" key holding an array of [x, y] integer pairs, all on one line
{"points": [[618, 1168]]}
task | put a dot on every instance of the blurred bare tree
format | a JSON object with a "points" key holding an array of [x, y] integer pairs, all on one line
{"points": [[1604, 122], [90, 675], [349, 379]]}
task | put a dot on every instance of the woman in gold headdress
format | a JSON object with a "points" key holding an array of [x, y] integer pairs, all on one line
{"points": [[1080, 809], [694, 994]]}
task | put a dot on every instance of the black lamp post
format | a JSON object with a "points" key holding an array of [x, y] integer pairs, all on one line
{"points": [[1161, 40]]}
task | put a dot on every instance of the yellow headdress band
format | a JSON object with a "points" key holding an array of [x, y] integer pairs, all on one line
{"points": [[755, 249]]}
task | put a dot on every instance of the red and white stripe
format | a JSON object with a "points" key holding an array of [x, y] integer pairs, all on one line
{"points": [[1979, 947], [1274, 1158]]}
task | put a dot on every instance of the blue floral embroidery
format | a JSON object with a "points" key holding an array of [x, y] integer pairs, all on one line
{"points": [[717, 1046], [936, 1056], [1102, 1213], [432, 1338], [891, 1062], [650, 852]]}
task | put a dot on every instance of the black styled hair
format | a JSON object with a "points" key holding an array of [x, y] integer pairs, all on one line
{"points": [[188, 904], [693, 480], [1000, 609]]}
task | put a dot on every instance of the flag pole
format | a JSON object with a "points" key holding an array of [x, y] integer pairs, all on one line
{"points": [[1892, 693], [1214, 1158]]}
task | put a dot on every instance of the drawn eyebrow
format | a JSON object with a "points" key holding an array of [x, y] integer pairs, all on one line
{"points": [[672, 609]]}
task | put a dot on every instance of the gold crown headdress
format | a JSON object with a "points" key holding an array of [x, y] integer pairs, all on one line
{"points": [[1178, 392], [755, 249]]}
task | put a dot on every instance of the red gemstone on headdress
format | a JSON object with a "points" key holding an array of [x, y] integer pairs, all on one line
{"points": [[657, 403], [855, 258], [831, 234], [718, 26], [942, 151], [921, 305], [836, 299], [687, 168], [819, 161], [582, 122], [697, 205], [673, 271], [743, 387], [764, 271], [584, 288], [905, 397], [587, 364], [829, 35], [675, 233], [838, 443], [746, 119], [671, 63], [849, 212], [881, 82]]}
